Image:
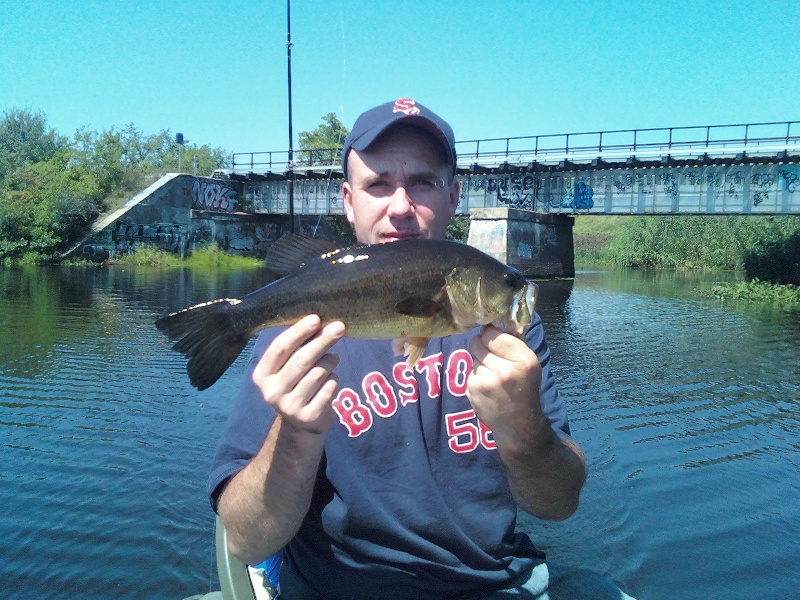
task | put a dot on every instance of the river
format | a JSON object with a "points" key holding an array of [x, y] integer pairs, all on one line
{"points": [[688, 411]]}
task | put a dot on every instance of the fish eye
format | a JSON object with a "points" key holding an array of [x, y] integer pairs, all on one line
{"points": [[514, 278]]}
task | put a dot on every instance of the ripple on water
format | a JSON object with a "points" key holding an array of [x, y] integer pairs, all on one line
{"points": [[688, 412]]}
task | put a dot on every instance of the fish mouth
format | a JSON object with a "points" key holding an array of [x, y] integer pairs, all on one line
{"points": [[521, 310], [522, 306]]}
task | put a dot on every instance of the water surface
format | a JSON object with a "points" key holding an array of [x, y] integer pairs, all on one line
{"points": [[686, 408]]}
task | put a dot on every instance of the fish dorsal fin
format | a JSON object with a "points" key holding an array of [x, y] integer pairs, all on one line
{"points": [[291, 251], [418, 307]]}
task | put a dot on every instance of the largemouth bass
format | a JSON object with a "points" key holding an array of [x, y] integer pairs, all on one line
{"points": [[406, 291]]}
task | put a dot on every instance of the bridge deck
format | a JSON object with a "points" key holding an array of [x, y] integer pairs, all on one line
{"points": [[717, 169]]}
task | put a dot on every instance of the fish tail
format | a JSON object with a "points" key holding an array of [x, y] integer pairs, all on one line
{"points": [[207, 337]]}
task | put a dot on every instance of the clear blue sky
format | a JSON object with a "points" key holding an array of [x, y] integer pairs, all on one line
{"points": [[216, 71]]}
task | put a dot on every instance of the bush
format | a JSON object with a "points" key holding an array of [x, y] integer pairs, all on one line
{"points": [[693, 242], [775, 261], [458, 228], [45, 205]]}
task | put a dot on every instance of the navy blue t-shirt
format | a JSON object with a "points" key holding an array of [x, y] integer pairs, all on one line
{"points": [[411, 499]]}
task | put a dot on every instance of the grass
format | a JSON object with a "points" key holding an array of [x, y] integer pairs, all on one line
{"points": [[206, 258], [591, 236]]}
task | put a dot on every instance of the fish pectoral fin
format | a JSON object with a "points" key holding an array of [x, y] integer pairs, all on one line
{"points": [[412, 348], [418, 307]]}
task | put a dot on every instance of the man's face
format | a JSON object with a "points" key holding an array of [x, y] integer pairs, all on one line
{"points": [[399, 188]]}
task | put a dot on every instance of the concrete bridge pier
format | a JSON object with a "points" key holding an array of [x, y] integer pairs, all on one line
{"points": [[538, 244]]}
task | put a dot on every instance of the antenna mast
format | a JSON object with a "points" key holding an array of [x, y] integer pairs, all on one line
{"points": [[290, 172]]}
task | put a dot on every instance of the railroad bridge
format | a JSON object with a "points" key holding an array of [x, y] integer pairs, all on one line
{"points": [[520, 192], [717, 169]]}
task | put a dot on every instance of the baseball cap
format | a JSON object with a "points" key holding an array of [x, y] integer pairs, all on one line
{"points": [[372, 123]]}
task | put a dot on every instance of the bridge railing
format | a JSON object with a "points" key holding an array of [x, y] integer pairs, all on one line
{"points": [[621, 143], [633, 142], [279, 159]]}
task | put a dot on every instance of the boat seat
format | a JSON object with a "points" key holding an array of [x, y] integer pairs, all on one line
{"points": [[238, 580]]}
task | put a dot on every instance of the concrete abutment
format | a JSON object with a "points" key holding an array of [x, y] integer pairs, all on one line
{"points": [[180, 212], [538, 244]]}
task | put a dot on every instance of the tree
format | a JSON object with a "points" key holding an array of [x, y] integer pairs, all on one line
{"points": [[181, 158], [51, 188], [25, 138], [46, 205], [323, 145]]}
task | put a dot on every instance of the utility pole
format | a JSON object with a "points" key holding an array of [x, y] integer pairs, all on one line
{"points": [[290, 173]]}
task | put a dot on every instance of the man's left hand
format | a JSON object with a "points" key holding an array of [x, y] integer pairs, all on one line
{"points": [[504, 385]]}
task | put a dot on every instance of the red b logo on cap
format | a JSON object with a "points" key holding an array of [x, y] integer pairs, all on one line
{"points": [[405, 105]]}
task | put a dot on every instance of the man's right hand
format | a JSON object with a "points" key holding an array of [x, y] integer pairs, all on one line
{"points": [[295, 374], [264, 504]]}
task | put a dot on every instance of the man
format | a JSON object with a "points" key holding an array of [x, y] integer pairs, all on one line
{"points": [[388, 482]]}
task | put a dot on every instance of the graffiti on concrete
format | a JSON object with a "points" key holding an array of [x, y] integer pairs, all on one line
{"points": [[709, 189], [792, 180], [171, 237], [582, 197], [513, 190], [310, 196], [213, 195], [669, 183], [760, 185]]}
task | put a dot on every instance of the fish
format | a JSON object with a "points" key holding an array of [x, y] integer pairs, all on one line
{"points": [[407, 291]]}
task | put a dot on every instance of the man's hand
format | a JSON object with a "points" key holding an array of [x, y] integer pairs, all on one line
{"points": [[545, 472], [504, 386], [264, 504], [295, 374]]}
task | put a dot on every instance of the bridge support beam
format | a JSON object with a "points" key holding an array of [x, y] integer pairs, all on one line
{"points": [[538, 244]]}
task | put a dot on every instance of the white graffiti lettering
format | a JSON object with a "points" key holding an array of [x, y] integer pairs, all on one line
{"points": [[213, 195]]}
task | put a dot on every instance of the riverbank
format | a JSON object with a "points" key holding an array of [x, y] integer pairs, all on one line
{"points": [[763, 247]]}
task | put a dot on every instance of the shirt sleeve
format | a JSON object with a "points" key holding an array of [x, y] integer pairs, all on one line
{"points": [[246, 428]]}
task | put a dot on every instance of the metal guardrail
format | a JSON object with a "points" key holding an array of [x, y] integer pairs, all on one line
{"points": [[622, 143], [279, 159]]}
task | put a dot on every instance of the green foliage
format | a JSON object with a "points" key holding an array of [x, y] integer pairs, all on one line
{"points": [[211, 257], [592, 234], [147, 256], [118, 157], [342, 229], [458, 228], [607, 225], [695, 242], [776, 260], [25, 138], [322, 145], [757, 291], [45, 204], [51, 187], [206, 258]]}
